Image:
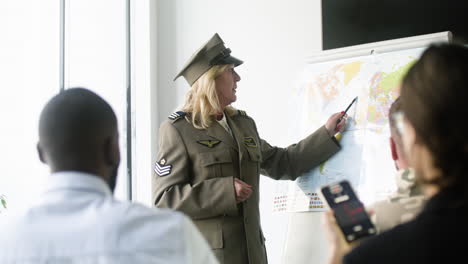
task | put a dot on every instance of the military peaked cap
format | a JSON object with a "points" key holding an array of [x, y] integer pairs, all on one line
{"points": [[212, 53]]}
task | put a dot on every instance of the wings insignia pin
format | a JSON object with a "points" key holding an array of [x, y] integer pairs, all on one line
{"points": [[250, 142], [162, 169], [209, 143]]}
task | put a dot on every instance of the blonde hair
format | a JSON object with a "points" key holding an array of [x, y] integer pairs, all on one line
{"points": [[202, 101]]}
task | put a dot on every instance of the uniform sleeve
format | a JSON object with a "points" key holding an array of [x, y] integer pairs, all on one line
{"points": [[209, 198], [197, 249], [297, 159]]}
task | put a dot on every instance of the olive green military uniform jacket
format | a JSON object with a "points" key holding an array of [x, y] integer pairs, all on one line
{"points": [[195, 174]]}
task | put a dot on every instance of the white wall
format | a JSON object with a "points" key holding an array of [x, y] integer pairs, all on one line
{"points": [[273, 37]]}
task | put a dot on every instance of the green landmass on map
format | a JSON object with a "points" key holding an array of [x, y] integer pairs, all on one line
{"points": [[391, 80]]}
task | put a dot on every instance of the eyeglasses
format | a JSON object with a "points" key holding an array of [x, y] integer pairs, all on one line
{"points": [[399, 118]]}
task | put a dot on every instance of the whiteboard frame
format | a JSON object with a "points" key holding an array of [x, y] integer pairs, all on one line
{"points": [[379, 47]]}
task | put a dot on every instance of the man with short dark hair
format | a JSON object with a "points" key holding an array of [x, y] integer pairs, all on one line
{"points": [[76, 219]]}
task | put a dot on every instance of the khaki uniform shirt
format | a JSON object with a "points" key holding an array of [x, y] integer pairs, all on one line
{"points": [[402, 206], [195, 174]]}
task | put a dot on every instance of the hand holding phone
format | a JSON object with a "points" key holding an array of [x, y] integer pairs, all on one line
{"points": [[349, 211]]}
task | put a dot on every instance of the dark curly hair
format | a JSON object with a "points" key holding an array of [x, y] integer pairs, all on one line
{"points": [[434, 98]]}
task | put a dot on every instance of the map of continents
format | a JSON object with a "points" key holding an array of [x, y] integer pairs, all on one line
{"points": [[328, 87], [384, 89]]}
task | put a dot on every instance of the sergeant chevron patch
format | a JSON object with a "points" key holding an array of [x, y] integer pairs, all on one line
{"points": [[162, 169], [209, 143]]}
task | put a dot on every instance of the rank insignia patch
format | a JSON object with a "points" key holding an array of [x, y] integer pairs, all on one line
{"points": [[162, 169], [250, 142], [209, 143], [177, 115]]}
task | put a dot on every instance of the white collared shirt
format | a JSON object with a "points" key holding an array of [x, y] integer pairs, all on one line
{"points": [[77, 220]]}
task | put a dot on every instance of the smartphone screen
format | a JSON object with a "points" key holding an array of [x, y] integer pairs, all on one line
{"points": [[350, 213]]}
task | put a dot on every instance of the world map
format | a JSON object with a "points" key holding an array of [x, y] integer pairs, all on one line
{"points": [[328, 87]]}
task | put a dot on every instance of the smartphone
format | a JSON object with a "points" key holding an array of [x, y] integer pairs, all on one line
{"points": [[349, 211]]}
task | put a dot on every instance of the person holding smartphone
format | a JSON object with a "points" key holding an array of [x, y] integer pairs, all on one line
{"points": [[433, 94]]}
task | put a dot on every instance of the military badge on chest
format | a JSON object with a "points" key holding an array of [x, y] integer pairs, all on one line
{"points": [[162, 169], [250, 142], [209, 143]]}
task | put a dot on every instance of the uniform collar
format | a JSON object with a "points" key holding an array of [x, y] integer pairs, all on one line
{"points": [[230, 111], [217, 131], [74, 180], [238, 134]]}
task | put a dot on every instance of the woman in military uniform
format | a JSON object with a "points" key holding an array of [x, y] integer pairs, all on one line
{"points": [[211, 155]]}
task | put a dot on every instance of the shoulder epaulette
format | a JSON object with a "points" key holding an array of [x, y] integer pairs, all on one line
{"points": [[177, 115], [242, 113]]}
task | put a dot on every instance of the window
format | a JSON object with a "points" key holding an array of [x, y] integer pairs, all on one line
{"points": [[29, 66], [95, 58]]}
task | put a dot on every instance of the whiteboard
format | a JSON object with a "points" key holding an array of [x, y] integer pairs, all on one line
{"points": [[305, 241]]}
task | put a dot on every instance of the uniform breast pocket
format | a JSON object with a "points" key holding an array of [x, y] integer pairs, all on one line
{"points": [[254, 155], [216, 164]]}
